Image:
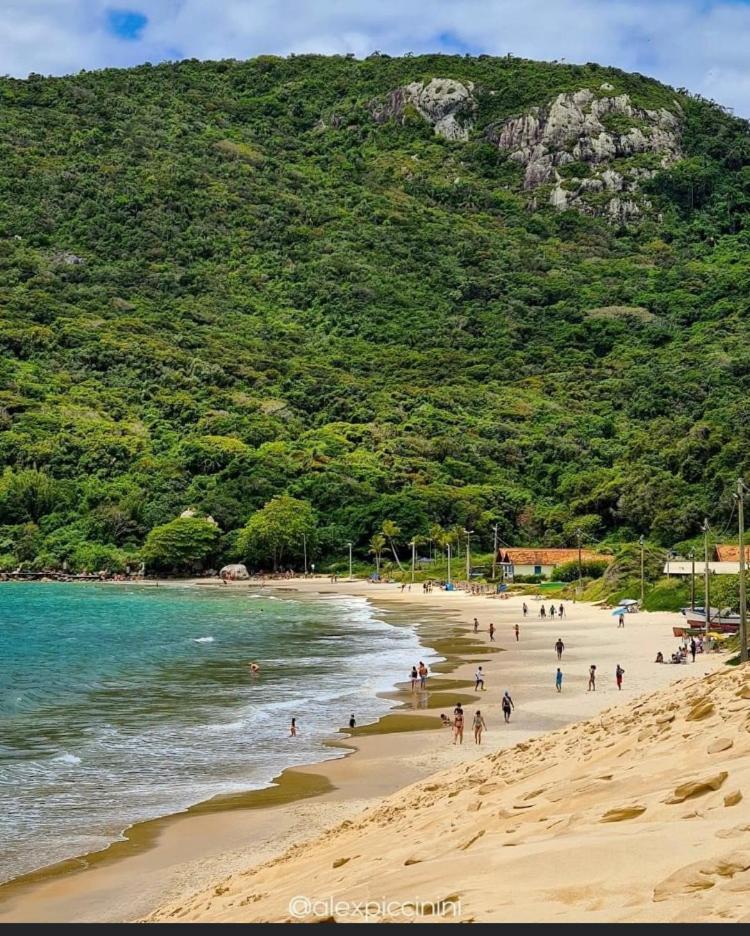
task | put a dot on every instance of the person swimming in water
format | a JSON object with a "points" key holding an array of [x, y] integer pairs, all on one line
{"points": [[293, 728]]}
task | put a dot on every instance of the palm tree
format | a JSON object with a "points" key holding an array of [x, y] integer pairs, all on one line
{"points": [[390, 532], [377, 544], [436, 531]]}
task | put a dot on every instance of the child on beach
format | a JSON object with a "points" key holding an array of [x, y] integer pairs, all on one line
{"points": [[492, 631], [517, 629], [479, 727], [619, 673], [592, 678], [447, 723], [476, 626], [479, 679], [525, 609], [558, 679]]}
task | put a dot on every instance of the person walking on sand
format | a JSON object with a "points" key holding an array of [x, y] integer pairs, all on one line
{"points": [[561, 611], [492, 631], [621, 620], [458, 724], [592, 678], [517, 629], [293, 728], [479, 727], [542, 612], [559, 647], [476, 626], [558, 679], [507, 706], [423, 674], [525, 609], [479, 679], [552, 610], [693, 648], [619, 672], [414, 676]]}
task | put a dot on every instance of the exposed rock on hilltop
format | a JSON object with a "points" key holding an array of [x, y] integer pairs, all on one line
{"points": [[589, 134], [446, 104]]}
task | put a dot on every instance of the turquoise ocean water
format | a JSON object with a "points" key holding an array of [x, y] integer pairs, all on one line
{"points": [[119, 704]]}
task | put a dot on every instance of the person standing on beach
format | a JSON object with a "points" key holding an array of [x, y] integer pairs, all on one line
{"points": [[479, 679], [352, 722], [621, 620], [507, 706], [476, 626], [414, 676], [423, 674], [492, 631], [558, 679], [517, 629], [561, 611], [619, 672], [542, 612], [693, 648], [551, 610], [559, 647], [479, 727], [525, 609], [458, 724], [293, 729], [592, 678]]}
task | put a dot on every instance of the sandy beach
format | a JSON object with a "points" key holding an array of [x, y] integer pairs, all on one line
{"points": [[165, 863]]}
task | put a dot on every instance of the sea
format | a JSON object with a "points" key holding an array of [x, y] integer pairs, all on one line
{"points": [[124, 703]]}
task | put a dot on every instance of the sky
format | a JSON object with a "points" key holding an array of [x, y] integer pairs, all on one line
{"points": [[701, 45]]}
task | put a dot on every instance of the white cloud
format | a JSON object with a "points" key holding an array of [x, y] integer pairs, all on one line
{"points": [[698, 44]]}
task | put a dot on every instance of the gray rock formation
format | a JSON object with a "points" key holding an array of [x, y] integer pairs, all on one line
{"points": [[446, 104], [574, 128]]}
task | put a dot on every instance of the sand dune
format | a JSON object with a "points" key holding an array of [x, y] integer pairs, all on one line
{"points": [[635, 815]]}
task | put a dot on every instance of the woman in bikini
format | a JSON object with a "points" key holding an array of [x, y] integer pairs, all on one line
{"points": [[479, 727]]}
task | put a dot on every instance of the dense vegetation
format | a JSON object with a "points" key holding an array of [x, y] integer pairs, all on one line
{"points": [[223, 282]]}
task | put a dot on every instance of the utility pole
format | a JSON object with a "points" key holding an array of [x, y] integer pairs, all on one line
{"points": [[449, 563], [741, 489], [580, 564], [641, 541], [494, 553], [350, 560], [706, 589], [468, 554], [413, 545], [691, 557], [304, 549]]}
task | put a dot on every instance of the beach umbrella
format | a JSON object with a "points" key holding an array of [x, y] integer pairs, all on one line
{"points": [[627, 602], [619, 611]]}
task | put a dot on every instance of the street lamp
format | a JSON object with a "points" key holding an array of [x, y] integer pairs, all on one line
{"points": [[641, 541], [449, 563], [580, 564], [304, 550], [468, 554], [350, 560], [413, 545], [494, 553], [691, 557]]}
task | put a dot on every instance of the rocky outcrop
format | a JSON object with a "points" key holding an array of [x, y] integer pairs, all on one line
{"points": [[594, 131], [446, 104]]}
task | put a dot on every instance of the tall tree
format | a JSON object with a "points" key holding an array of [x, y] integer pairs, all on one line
{"points": [[276, 530], [390, 532], [377, 544]]}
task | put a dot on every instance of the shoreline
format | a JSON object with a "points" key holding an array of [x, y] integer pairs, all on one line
{"points": [[184, 852]]}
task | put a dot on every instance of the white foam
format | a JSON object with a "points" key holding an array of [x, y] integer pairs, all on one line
{"points": [[203, 640], [66, 758]]}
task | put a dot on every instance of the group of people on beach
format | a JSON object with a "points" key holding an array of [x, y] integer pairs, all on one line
{"points": [[418, 676], [478, 723], [559, 611]]}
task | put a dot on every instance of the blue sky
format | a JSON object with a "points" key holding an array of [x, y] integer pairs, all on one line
{"points": [[698, 44]]}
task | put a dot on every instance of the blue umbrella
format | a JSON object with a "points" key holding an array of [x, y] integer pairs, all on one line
{"points": [[619, 611]]}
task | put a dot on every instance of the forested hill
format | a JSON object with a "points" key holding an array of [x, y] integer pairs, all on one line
{"points": [[435, 290]]}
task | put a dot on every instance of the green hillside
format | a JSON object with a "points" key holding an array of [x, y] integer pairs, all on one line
{"points": [[225, 281]]}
